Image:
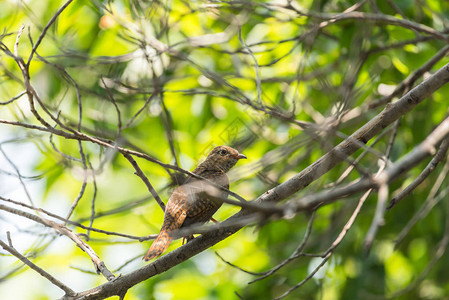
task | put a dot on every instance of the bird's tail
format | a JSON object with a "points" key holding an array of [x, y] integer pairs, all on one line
{"points": [[159, 245]]}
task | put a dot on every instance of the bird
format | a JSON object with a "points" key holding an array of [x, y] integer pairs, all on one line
{"points": [[189, 203]]}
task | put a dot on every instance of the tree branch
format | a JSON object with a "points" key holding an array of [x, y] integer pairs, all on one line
{"points": [[390, 114], [39, 270]]}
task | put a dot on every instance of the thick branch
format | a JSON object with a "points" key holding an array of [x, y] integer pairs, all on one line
{"points": [[390, 114]]}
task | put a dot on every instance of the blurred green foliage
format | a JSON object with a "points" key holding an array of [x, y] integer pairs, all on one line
{"points": [[152, 72]]}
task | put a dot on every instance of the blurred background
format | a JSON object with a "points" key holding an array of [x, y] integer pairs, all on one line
{"points": [[281, 81]]}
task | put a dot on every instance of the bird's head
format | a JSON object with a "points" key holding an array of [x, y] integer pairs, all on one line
{"points": [[223, 158]]}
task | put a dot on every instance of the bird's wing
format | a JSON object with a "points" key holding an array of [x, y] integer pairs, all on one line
{"points": [[175, 214], [201, 206], [175, 211]]}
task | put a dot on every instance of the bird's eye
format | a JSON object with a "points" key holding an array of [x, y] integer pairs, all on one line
{"points": [[223, 152]]}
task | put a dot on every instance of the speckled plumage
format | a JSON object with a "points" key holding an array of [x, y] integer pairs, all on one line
{"points": [[189, 204]]}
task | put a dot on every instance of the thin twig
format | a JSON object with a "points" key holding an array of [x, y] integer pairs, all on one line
{"points": [[19, 175], [423, 175], [50, 139], [346, 173], [13, 98], [94, 196], [327, 254], [168, 124], [378, 219], [299, 181], [141, 239], [237, 267], [145, 180], [256, 68], [290, 290], [8, 236], [16, 44], [111, 97], [80, 195], [440, 249], [60, 228], [421, 213], [42, 272], [297, 253], [44, 31]]}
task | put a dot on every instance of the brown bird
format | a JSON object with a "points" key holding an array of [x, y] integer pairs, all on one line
{"points": [[189, 204]]}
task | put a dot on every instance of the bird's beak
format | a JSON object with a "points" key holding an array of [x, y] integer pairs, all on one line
{"points": [[240, 156]]}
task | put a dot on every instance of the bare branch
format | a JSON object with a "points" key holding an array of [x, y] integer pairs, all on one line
{"points": [[423, 175], [297, 253], [13, 98], [378, 18], [145, 180], [42, 272], [378, 217], [317, 268], [421, 151], [99, 265], [140, 239], [440, 250], [94, 196], [431, 200], [302, 179], [44, 31], [390, 114], [13, 165], [218, 75], [237, 267]]}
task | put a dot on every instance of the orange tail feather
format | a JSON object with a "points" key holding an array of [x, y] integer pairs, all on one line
{"points": [[159, 246]]}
